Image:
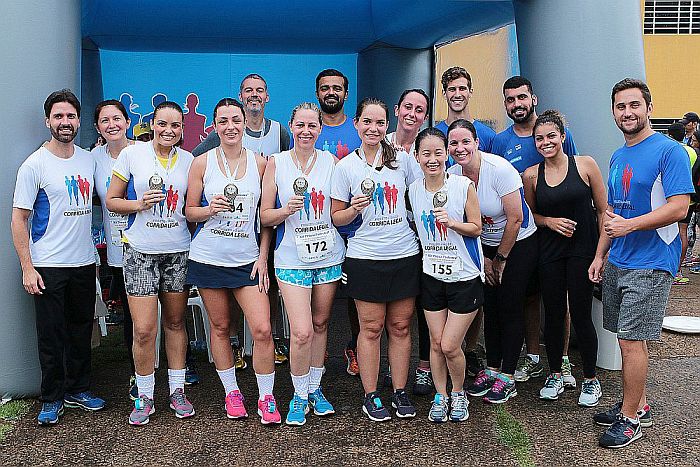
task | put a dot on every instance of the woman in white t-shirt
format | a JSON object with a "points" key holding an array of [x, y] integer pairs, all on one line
{"points": [[149, 184], [510, 257], [382, 267], [225, 260], [448, 222], [111, 122], [308, 254]]}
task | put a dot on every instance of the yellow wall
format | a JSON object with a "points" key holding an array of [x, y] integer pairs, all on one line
{"points": [[673, 72], [489, 60]]}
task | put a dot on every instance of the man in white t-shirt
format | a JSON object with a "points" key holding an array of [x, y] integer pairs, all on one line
{"points": [[51, 231]]}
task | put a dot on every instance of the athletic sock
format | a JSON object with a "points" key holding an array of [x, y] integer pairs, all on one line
{"points": [[534, 358], [301, 386], [266, 384], [146, 384], [176, 379], [315, 375], [565, 358], [228, 379]]}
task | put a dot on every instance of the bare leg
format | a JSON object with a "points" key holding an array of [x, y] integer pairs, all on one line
{"points": [[399, 314], [371, 316], [217, 303], [144, 314], [173, 305], [452, 337], [321, 303], [635, 366], [297, 302], [436, 325]]}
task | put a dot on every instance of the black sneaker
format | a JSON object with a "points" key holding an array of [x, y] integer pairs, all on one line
{"points": [[501, 391], [481, 385], [621, 433], [424, 383], [374, 409], [403, 405], [474, 363]]}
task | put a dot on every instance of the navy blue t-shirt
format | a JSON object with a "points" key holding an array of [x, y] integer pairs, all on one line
{"points": [[483, 132], [641, 178], [521, 151]]}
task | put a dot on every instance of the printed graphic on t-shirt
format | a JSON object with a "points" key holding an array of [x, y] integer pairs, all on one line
{"points": [[337, 148], [621, 182], [431, 225], [78, 190]]}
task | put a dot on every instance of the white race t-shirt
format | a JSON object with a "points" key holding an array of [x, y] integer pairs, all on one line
{"points": [[384, 232], [497, 178], [59, 193], [448, 256], [163, 228], [229, 238], [114, 224], [307, 239]]}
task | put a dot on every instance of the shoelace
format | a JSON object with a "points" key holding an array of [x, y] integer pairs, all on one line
{"points": [[588, 387], [271, 406], [499, 385], [141, 403], [423, 377], [402, 397], [481, 378], [298, 404], [319, 396], [459, 404], [52, 406], [179, 397], [551, 381]]}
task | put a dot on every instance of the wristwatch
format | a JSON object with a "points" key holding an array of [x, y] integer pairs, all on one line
{"points": [[500, 257]]}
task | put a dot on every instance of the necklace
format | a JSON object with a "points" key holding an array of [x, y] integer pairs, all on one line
{"points": [[231, 189], [301, 184]]}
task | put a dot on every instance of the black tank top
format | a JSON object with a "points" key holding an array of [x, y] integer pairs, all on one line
{"points": [[572, 199]]}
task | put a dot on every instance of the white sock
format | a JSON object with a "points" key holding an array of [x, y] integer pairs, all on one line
{"points": [[266, 384], [301, 386], [145, 384], [315, 375], [176, 379], [534, 358], [228, 379]]}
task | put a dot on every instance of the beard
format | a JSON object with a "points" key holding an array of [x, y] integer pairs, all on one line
{"points": [[641, 124], [528, 113], [333, 108], [64, 138]]}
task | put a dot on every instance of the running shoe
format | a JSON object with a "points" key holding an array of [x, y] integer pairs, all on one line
{"points": [[553, 386], [501, 391], [609, 416], [644, 415], [621, 433], [402, 404], [474, 362], [267, 409], [298, 408], [374, 409], [143, 409], [191, 375], [281, 351], [690, 261], [84, 400], [680, 280], [591, 392], [569, 380], [320, 404], [238, 360], [234, 405], [353, 368], [459, 411], [695, 269], [481, 385], [50, 413], [133, 388], [424, 383], [179, 403], [527, 368], [438, 411]]}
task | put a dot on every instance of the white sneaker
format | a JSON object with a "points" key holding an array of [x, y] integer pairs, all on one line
{"points": [[553, 386], [569, 380], [591, 393]]}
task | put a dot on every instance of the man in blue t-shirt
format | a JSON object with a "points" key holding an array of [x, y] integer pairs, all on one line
{"points": [[457, 90], [648, 193], [338, 133], [515, 143]]}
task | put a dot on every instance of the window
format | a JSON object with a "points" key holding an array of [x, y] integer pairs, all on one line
{"points": [[672, 17]]}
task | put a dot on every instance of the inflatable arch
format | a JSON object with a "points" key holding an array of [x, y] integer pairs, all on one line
{"points": [[572, 51]]}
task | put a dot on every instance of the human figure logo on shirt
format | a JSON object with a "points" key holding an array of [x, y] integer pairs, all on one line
{"points": [[338, 149], [313, 200], [78, 189], [626, 181], [433, 227]]}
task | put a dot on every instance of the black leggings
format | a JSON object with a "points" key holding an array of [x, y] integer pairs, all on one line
{"points": [[117, 289], [557, 279], [504, 314], [423, 332]]}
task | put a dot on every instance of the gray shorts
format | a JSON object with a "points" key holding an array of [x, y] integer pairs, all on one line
{"points": [[634, 302], [148, 274]]}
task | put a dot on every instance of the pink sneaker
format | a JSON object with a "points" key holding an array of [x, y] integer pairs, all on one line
{"points": [[267, 409], [234, 405]]}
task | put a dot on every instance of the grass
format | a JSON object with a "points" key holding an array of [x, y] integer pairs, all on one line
{"points": [[513, 435], [10, 413]]}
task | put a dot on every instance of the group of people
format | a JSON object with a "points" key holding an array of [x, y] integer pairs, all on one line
{"points": [[454, 222]]}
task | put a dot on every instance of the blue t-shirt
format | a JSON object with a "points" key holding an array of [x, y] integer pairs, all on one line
{"points": [[521, 151], [641, 178], [340, 140], [483, 132]]}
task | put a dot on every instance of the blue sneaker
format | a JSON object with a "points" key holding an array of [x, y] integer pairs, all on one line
{"points": [[320, 404], [191, 375], [84, 400], [374, 409], [621, 433], [439, 409], [50, 411], [298, 408]]}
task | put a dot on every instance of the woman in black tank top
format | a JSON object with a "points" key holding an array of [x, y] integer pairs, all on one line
{"points": [[562, 191]]}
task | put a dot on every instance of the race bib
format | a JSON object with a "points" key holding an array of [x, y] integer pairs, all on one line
{"points": [[441, 266], [242, 206], [315, 245], [118, 224]]}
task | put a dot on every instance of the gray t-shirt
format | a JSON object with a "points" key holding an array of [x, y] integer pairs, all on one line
{"points": [[212, 140]]}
